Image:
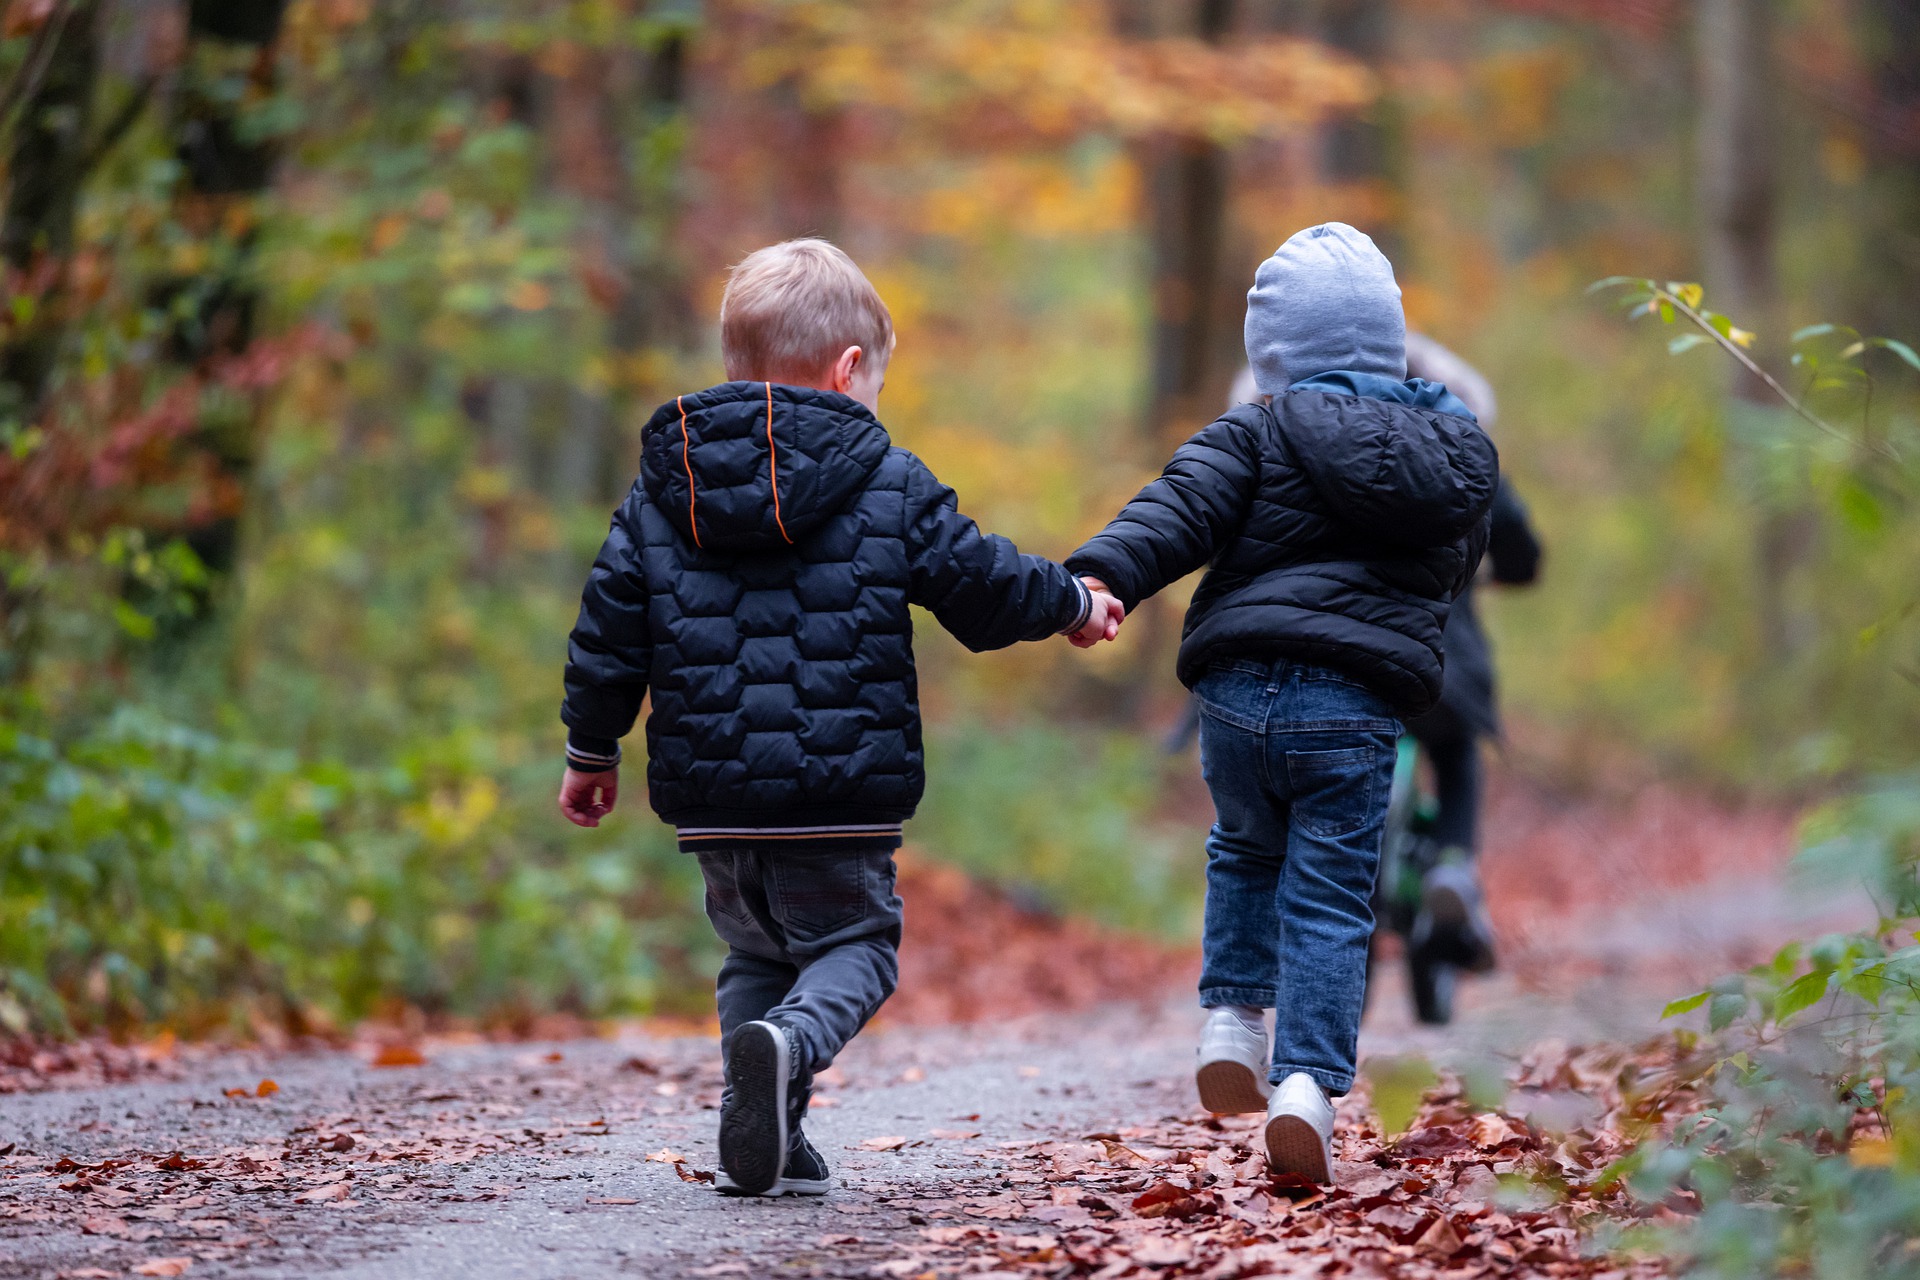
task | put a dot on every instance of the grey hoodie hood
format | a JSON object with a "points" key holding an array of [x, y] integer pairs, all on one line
{"points": [[1325, 301]]}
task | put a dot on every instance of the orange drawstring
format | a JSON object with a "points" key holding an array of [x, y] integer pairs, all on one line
{"points": [[686, 460], [773, 468]]}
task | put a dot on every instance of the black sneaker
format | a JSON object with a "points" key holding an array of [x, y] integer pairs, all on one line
{"points": [[754, 1111], [806, 1173], [1452, 925]]}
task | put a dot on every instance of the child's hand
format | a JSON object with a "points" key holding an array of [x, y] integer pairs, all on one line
{"points": [[588, 797], [1103, 621]]}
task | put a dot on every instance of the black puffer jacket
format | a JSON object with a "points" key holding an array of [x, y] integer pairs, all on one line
{"points": [[756, 581], [1338, 529]]}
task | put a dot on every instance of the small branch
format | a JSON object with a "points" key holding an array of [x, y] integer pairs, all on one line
{"points": [[1752, 366], [116, 128], [39, 55]]}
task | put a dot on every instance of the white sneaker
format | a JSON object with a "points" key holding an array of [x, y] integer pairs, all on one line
{"points": [[1300, 1129], [1232, 1068]]}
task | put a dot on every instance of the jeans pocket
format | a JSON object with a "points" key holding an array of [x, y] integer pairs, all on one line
{"points": [[819, 896], [1333, 791], [724, 896], [1236, 696]]}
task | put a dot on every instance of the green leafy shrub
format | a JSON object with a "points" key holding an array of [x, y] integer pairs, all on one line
{"points": [[149, 871]]}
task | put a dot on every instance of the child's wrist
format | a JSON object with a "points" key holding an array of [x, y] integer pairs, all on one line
{"points": [[588, 754], [1084, 612]]}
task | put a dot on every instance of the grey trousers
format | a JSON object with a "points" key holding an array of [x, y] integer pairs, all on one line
{"points": [[812, 941]]}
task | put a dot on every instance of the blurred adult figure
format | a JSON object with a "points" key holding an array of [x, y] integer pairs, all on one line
{"points": [[1453, 918]]}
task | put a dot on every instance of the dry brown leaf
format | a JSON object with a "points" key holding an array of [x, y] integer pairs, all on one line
{"points": [[611, 1200], [163, 1267], [954, 1135], [265, 1089], [1441, 1238], [893, 1143], [693, 1175], [1119, 1153], [665, 1156], [330, 1192], [399, 1055]]}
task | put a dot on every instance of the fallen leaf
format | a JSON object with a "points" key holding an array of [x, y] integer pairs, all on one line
{"points": [[329, 1192], [104, 1226], [611, 1200], [163, 1267], [1441, 1238], [693, 1175], [883, 1144], [265, 1089], [178, 1163], [399, 1055], [341, 1142], [1119, 1153], [954, 1135], [913, 1075], [664, 1156]]}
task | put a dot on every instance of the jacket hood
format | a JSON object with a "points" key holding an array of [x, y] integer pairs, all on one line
{"points": [[756, 466], [1409, 474], [1325, 300]]}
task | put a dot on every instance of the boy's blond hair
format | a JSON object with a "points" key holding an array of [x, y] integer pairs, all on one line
{"points": [[791, 308]]}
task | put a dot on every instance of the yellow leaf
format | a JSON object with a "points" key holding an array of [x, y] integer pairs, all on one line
{"points": [[1742, 336], [1870, 1153]]}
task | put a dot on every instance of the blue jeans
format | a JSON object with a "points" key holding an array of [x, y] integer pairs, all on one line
{"points": [[1300, 762], [811, 942]]}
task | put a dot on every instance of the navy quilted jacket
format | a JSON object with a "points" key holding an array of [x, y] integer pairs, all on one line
{"points": [[1337, 530], [756, 583]]}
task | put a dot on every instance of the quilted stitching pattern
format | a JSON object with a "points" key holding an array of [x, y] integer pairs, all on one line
{"points": [[779, 651], [1338, 530]]}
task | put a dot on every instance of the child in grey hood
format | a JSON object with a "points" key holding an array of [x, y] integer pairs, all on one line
{"points": [[1337, 522]]}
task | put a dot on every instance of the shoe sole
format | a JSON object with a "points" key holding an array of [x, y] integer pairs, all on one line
{"points": [[1294, 1146], [753, 1128], [1229, 1088], [1448, 909], [783, 1187]]}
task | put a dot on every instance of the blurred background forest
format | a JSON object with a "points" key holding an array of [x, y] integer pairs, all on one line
{"points": [[329, 326]]}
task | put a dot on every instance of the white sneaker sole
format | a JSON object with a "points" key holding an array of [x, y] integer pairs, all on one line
{"points": [[783, 1187], [1294, 1146], [1229, 1088]]}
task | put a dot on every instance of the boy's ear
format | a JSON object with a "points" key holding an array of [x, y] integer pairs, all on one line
{"points": [[840, 377]]}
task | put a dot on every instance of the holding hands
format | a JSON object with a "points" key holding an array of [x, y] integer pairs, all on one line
{"points": [[1103, 623]]}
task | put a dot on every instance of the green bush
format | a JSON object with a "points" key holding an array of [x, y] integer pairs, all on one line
{"points": [[153, 872]]}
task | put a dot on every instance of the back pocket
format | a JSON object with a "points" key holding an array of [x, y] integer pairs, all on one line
{"points": [[819, 896], [1333, 791]]}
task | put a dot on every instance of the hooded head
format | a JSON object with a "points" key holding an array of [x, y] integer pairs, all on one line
{"points": [[1326, 300]]}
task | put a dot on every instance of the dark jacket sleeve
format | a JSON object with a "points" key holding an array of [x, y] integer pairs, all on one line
{"points": [[610, 653], [1180, 521], [1512, 546], [978, 585]]}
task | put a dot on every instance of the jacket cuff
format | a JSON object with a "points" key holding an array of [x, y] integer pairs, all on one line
{"points": [[1082, 565], [589, 754], [1083, 611]]}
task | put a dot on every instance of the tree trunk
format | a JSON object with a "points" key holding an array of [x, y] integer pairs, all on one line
{"points": [[1890, 301], [213, 315], [1195, 335], [45, 170], [1739, 197], [1363, 150]]}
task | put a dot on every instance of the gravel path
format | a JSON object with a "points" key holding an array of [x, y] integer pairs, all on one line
{"points": [[534, 1160]]}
